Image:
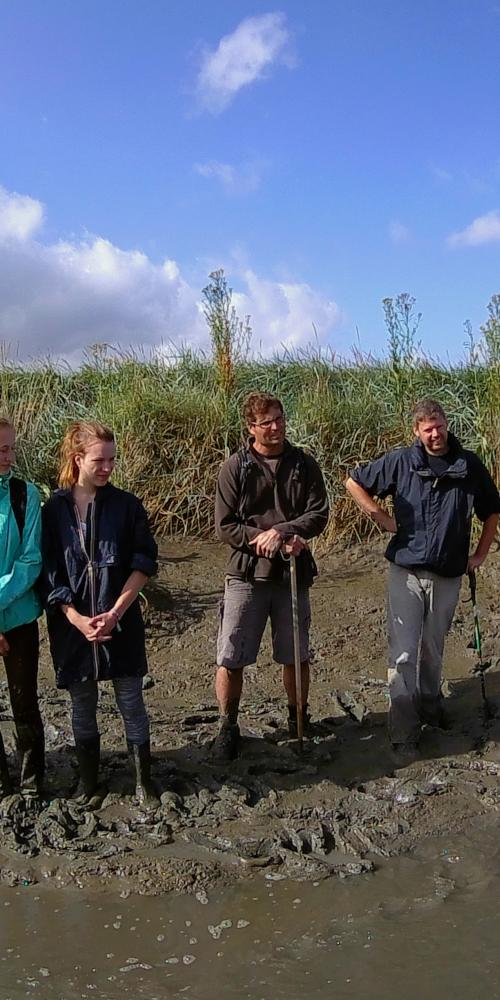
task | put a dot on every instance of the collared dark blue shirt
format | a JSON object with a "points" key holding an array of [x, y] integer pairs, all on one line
{"points": [[433, 512]]}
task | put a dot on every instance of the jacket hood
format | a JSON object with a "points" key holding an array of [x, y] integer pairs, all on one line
{"points": [[455, 452]]}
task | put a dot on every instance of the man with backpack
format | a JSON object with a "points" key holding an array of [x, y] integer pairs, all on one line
{"points": [[20, 607], [271, 499]]}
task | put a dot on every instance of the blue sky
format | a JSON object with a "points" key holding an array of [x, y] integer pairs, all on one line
{"points": [[325, 156]]}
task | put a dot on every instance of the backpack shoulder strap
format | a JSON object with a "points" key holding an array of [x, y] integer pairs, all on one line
{"points": [[18, 501], [245, 464], [300, 462]]}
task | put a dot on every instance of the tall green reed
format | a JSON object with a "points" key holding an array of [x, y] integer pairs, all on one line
{"points": [[177, 418]]}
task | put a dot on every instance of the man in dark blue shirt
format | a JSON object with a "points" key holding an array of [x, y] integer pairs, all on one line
{"points": [[435, 486]]}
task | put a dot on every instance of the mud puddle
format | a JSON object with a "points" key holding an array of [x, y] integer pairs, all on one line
{"points": [[425, 925]]}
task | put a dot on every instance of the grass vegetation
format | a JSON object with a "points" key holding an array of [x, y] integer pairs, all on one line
{"points": [[177, 419]]}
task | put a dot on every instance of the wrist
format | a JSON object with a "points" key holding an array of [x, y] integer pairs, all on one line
{"points": [[114, 615]]}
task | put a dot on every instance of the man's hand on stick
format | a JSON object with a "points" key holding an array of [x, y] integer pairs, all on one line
{"points": [[294, 546], [268, 543]]}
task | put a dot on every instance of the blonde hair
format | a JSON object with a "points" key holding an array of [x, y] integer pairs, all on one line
{"points": [[79, 435]]}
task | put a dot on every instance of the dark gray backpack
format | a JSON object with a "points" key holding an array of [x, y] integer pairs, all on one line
{"points": [[18, 501]]}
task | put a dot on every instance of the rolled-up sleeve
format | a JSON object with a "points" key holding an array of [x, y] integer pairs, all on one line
{"points": [[379, 477], [486, 497], [144, 548]]}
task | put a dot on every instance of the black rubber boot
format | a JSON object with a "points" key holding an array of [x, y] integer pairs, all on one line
{"points": [[88, 753], [405, 753], [292, 721], [32, 749], [226, 744], [5, 782], [146, 791]]}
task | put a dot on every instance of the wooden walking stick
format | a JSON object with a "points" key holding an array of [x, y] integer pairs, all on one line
{"points": [[477, 645], [296, 651]]}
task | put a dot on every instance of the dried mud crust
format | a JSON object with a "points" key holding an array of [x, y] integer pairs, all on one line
{"points": [[333, 810]]}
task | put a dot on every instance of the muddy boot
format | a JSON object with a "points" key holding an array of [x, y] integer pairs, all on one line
{"points": [[88, 754], [32, 768], [292, 721], [146, 791], [5, 782], [226, 744], [405, 753]]}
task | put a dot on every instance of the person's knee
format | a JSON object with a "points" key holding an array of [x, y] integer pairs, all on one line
{"points": [[229, 673], [130, 700], [84, 709], [23, 698]]}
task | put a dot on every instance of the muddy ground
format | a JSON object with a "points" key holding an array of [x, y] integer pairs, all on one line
{"points": [[336, 809]]}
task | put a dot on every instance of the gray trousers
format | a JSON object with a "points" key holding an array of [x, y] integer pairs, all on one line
{"points": [[130, 701], [420, 610]]}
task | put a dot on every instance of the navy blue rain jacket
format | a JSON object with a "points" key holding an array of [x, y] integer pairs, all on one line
{"points": [[433, 513], [92, 581]]}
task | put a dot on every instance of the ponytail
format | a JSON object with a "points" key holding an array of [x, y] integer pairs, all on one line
{"points": [[79, 435]]}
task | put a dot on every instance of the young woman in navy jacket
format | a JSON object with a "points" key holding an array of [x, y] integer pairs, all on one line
{"points": [[98, 551]]}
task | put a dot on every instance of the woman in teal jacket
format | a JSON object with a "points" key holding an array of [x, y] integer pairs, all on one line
{"points": [[20, 607]]}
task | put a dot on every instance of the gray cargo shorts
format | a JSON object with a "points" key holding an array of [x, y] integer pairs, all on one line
{"points": [[242, 619]]}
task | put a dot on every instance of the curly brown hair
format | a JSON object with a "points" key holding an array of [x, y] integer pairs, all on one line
{"points": [[258, 403]]}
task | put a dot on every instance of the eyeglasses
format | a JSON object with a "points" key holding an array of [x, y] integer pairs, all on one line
{"points": [[266, 424]]}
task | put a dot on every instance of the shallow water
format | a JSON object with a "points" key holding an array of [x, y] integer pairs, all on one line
{"points": [[425, 925]]}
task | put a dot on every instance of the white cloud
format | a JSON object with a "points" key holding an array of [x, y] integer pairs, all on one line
{"points": [[399, 233], [236, 180], [61, 297], [484, 229], [20, 216], [286, 314], [241, 58]]}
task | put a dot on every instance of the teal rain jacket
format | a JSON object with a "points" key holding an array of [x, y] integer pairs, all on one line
{"points": [[20, 560]]}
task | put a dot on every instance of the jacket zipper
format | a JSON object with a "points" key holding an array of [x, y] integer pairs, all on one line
{"points": [[91, 573]]}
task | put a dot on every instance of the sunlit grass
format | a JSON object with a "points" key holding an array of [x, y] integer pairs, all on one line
{"points": [[176, 421]]}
